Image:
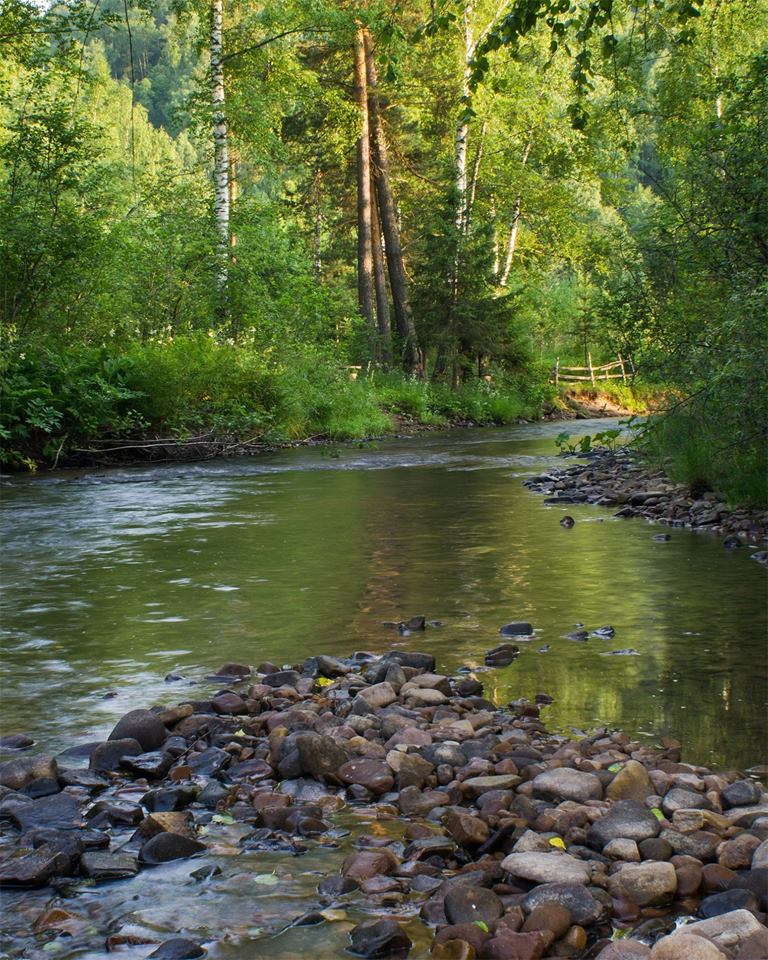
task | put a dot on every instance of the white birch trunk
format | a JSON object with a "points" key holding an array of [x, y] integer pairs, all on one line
{"points": [[462, 126], [512, 242], [220, 146]]}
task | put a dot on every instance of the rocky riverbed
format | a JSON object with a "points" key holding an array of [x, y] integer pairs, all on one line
{"points": [[615, 478], [512, 843]]}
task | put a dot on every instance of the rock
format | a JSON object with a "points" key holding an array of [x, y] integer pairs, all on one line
{"points": [[364, 864], [465, 903], [506, 945], [646, 884], [682, 945], [178, 822], [622, 849], [626, 950], [311, 754], [411, 769], [229, 703], [502, 655], [379, 938], [111, 811], [16, 741], [699, 843], [547, 867], [627, 820], [549, 916], [209, 762], [153, 766], [575, 897], [760, 856], [477, 786], [727, 901], [445, 753], [374, 775], [177, 949], [106, 757], [33, 868], [654, 848], [468, 831], [680, 799], [103, 866], [169, 846], [565, 783], [630, 783], [737, 854], [235, 671], [732, 932], [143, 726], [423, 697], [423, 662], [567, 522], [518, 628], [21, 772], [282, 678], [60, 812], [375, 697], [742, 793]]}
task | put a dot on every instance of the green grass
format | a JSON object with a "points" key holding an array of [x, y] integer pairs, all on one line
{"points": [[637, 398], [57, 402]]}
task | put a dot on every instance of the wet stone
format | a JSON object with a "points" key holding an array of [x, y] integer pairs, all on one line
{"points": [[58, 812], [379, 938], [177, 949], [565, 783], [680, 799], [143, 726], [728, 900], [575, 897], [104, 866], [169, 846], [628, 820], [33, 868], [106, 757], [742, 793], [175, 798], [21, 772], [468, 904], [209, 762], [16, 741]]}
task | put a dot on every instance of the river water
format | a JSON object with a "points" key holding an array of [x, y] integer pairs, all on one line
{"points": [[115, 579]]}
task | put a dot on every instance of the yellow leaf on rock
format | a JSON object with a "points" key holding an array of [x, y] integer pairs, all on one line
{"points": [[557, 842]]}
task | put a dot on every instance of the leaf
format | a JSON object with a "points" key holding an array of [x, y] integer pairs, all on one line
{"points": [[482, 924], [614, 768], [240, 733], [323, 682], [223, 818], [657, 813], [266, 879], [557, 842]]}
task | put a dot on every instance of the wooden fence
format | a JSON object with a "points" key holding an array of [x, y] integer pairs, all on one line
{"points": [[616, 370]]}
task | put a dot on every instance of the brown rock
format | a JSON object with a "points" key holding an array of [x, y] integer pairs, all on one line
{"points": [[625, 950], [737, 854], [453, 950], [178, 822], [518, 946], [680, 946], [630, 783], [549, 916], [466, 830], [374, 775], [364, 864], [470, 933]]}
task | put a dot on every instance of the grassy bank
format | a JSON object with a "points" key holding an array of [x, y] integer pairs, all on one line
{"points": [[57, 403]]}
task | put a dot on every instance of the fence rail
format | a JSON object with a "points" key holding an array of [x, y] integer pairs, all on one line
{"points": [[593, 373]]}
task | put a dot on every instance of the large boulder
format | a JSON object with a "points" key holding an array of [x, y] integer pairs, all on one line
{"points": [[469, 904], [575, 897], [310, 754], [547, 867], [630, 783], [141, 725]]}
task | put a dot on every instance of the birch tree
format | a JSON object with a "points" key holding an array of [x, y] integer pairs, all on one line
{"points": [[221, 166]]}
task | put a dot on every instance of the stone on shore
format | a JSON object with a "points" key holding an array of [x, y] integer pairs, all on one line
{"points": [[646, 884], [626, 820], [565, 783], [547, 867], [379, 938], [20, 772], [143, 726]]}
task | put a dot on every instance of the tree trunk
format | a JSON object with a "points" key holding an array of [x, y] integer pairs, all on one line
{"points": [[220, 152], [397, 279], [318, 228], [512, 242], [475, 175], [364, 226], [380, 282]]}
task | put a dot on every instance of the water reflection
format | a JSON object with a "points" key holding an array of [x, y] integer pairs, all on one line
{"points": [[114, 580]]}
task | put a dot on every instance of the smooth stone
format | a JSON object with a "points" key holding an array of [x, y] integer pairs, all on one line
{"points": [[549, 916], [733, 931], [627, 820], [100, 865], [518, 628], [375, 697], [741, 793], [476, 786], [16, 741], [646, 884], [468, 904], [363, 864], [699, 843], [374, 775], [143, 726], [682, 946], [547, 867], [470, 933], [106, 757], [727, 901], [306, 753], [630, 783], [22, 771], [282, 678], [622, 849], [565, 783], [575, 897], [466, 830], [502, 655], [379, 938], [211, 761], [169, 846], [626, 950], [760, 856], [679, 798], [411, 769], [238, 671], [508, 945], [178, 949]]}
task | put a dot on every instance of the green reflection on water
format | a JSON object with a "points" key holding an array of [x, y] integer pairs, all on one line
{"points": [[113, 581]]}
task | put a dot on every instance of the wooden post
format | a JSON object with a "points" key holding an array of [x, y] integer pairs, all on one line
{"points": [[623, 370], [557, 372], [591, 369]]}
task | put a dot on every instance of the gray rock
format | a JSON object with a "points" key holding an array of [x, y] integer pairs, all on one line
{"points": [[169, 846], [379, 938], [466, 904], [143, 726], [16, 741], [682, 945], [103, 866], [740, 794], [518, 628], [728, 900], [565, 783], [574, 896], [209, 762], [33, 868], [680, 799], [646, 884], [310, 754], [282, 678], [547, 867], [106, 757], [760, 856], [21, 772], [625, 950], [731, 932], [177, 949], [626, 820], [60, 812], [373, 698]]}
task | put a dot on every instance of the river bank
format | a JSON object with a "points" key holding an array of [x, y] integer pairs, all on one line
{"points": [[618, 478], [484, 835]]}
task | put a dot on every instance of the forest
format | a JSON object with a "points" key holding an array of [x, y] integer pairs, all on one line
{"points": [[265, 222]]}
